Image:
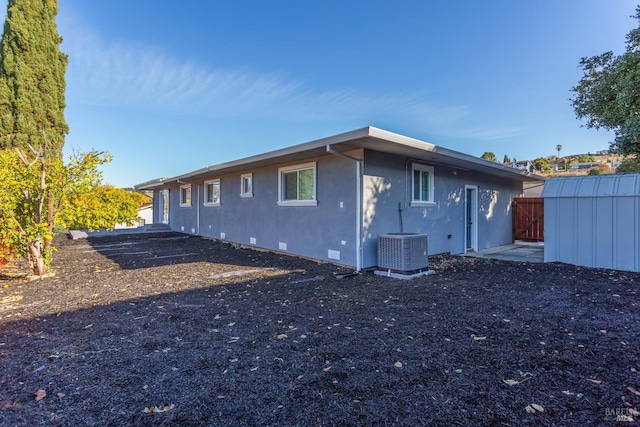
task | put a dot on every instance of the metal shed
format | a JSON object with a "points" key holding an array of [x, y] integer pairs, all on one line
{"points": [[593, 221]]}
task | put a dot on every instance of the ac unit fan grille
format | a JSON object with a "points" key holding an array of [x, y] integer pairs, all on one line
{"points": [[403, 252]]}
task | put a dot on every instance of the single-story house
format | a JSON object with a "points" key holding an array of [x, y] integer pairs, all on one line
{"points": [[526, 165], [587, 165], [145, 217], [330, 198]]}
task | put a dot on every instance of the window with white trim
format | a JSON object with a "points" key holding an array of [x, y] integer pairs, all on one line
{"points": [[212, 192], [297, 185], [185, 195], [421, 184], [246, 185]]}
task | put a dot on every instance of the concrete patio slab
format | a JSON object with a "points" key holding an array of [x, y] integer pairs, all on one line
{"points": [[519, 251], [152, 228]]}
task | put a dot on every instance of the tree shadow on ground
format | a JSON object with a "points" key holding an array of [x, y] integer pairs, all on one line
{"points": [[139, 251]]}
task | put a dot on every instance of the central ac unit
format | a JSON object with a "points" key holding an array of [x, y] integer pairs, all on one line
{"points": [[404, 253]]}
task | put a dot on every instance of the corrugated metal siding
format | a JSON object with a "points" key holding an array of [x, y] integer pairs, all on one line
{"points": [[593, 221]]}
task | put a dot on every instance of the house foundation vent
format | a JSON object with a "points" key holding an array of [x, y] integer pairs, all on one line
{"points": [[404, 253]]}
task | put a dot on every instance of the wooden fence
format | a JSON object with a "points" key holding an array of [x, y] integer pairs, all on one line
{"points": [[527, 214]]}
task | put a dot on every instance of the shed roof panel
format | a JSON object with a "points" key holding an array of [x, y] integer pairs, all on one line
{"points": [[593, 186]]}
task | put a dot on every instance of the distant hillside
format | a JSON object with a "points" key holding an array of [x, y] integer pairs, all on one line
{"points": [[608, 162]]}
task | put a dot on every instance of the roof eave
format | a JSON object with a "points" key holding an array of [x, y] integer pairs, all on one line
{"points": [[360, 138], [487, 163], [150, 185], [275, 154]]}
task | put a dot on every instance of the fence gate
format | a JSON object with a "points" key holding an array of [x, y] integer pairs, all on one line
{"points": [[527, 214]]}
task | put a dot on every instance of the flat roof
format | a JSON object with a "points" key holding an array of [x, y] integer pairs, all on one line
{"points": [[365, 138]]}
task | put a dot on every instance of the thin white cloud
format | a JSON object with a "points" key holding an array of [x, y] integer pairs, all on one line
{"points": [[119, 73], [485, 133], [128, 74]]}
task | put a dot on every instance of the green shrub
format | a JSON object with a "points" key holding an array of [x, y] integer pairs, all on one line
{"points": [[598, 171], [629, 165]]}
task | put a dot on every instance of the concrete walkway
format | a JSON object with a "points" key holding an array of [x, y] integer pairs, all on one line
{"points": [[151, 228], [519, 251]]}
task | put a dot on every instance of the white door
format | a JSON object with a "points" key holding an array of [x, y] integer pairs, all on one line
{"points": [[471, 218], [164, 206]]}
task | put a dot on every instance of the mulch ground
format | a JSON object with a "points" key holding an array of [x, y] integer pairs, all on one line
{"points": [[167, 329]]}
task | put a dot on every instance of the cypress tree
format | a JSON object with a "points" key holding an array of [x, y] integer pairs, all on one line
{"points": [[32, 83]]}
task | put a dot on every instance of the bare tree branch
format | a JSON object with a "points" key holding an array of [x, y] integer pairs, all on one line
{"points": [[24, 159]]}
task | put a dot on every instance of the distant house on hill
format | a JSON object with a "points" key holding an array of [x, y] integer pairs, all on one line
{"points": [[525, 165], [586, 165], [145, 217]]}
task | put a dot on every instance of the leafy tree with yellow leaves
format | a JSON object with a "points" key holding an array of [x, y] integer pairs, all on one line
{"points": [[37, 189], [78, 200]]}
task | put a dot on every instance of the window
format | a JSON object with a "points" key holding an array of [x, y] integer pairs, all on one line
{"points": [[422, 185], [185, 195], [297, 185], [246, 185], [212, 192]]}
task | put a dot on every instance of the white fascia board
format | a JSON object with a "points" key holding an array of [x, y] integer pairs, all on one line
{"points": [[358, 134], [149, 185], [426, 146], [487, 163], [401, 139], [318, 143]]}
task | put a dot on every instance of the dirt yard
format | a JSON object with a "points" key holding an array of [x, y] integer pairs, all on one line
{"points": [[167, 329]]}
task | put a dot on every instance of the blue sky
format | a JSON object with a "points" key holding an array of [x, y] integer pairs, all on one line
{"points": [[168, 87]]}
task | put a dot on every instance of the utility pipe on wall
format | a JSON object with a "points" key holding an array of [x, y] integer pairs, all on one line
{"points": [[198, 210]]}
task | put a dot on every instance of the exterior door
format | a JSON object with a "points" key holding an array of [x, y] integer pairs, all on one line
{"points": [[471, 218], [164, 206]]}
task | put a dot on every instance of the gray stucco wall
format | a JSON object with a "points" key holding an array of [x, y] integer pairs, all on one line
{"points": [[157, 219], [386, 185], [313, 231], [306, 230]]}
